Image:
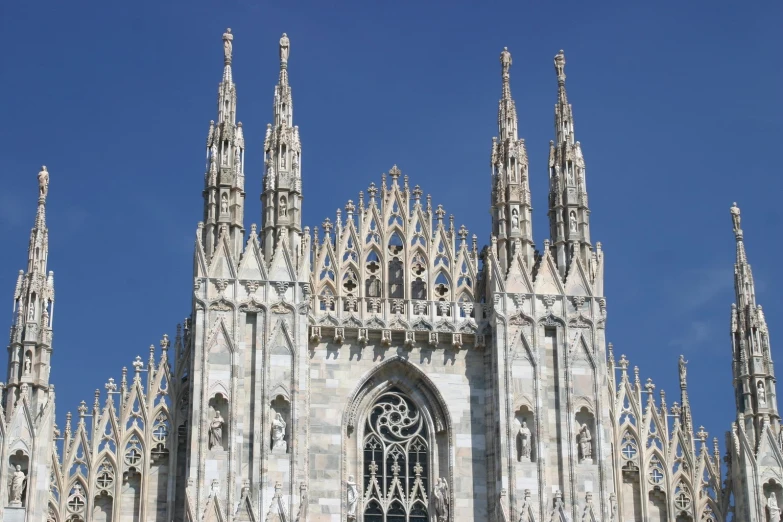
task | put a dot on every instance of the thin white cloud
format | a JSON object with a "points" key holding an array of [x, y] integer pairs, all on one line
{"points": [[702, 286], [697, 333]]}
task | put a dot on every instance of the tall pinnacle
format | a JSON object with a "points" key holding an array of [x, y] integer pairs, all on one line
{"points": [[754, 376], [224, 180], [511, 210], [569, 214], [30, 348], [281, 199]]}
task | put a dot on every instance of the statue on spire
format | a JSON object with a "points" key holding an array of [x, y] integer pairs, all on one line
{"points": [[505, 61], [735, 217], [560, 66], [43, 182], [285, 45], [228, 46], [683, 371]]}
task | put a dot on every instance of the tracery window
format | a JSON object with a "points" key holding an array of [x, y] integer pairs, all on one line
{"points": [[655, 474], [396, 461]]}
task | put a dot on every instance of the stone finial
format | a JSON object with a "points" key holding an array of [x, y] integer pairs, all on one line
{"points": [[137, 364], [394, 173], [228, 46], [650, 387], [463, 234]]}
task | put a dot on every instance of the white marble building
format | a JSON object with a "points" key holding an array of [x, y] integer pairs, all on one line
{"points": [[381, 367]]}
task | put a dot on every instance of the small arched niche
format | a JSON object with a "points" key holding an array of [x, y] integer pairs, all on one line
{"points": [[18, 475], [773, 496], [280, 416], [525, 424], [585, 434]]}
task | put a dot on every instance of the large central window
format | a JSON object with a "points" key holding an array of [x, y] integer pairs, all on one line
{"points": [[396, 461]]}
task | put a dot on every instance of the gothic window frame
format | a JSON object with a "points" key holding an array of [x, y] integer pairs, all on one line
{"points": [[398, 427]]}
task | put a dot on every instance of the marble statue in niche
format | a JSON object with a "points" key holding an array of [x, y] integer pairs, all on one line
{"points": [[525, 437], [762, 394], [585, 443], [18, 480], [772, 506], [279, 445], [216, 432]]}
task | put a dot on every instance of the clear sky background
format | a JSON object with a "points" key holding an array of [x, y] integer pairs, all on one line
{"points": [[677, 106]]}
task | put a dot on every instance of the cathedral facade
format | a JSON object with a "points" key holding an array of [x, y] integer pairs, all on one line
{"points": [[381, 367]]}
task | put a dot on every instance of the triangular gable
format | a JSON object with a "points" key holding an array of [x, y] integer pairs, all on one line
{"points": [[517, 280], [251, 266], [280, 332], [219, 330], [282, 268], [577, 282], [417, 218], [222, 266], [548, 278], [21, 430], [212, 511], [245, 512], [372, 233]]}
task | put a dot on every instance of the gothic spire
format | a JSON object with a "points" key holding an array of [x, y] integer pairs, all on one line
{"points": [[281, 199], [569, 215], [511, 210], [224, 181], [754, 376], [30, 348], [686, 419]]}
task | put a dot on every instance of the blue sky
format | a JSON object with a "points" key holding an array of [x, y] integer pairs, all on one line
{"points": [[677, 106]]}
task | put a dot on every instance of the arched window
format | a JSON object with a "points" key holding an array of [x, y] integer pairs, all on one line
{"points": [[396, 461]]}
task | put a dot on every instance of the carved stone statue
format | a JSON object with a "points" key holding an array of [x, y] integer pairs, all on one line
{"points": [[31, 312], [279, 445], [761, 393], [735, 216], [440, 500], [683, 370], [227, 46], [585, 442], [283, 207], [353, 498], [772, 506], [514, 219], [43, 182], [216, 432], [505, 59], [526, 514], [285, 48], [572, 221], [28, 363], [224, 204], [525, 436], [18, 480]]}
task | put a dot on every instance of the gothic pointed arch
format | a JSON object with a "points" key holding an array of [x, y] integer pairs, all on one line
{"points": [[398, 440]]}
